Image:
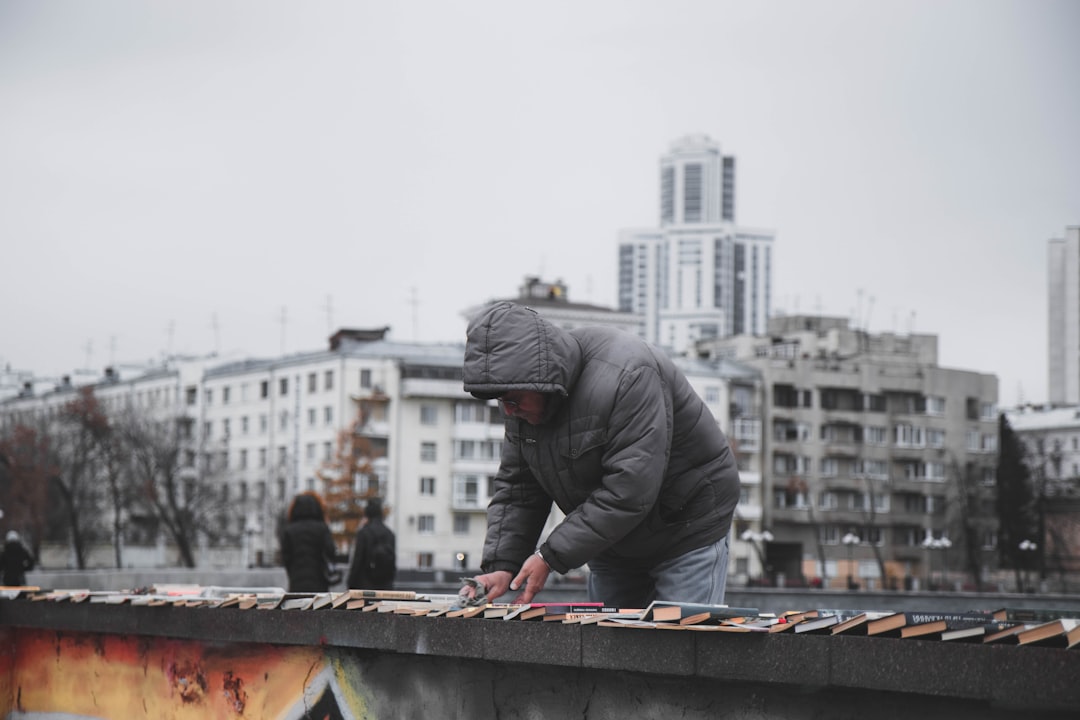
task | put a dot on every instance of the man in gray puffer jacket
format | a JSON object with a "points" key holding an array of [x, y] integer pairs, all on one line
{"points": [[606, 426]]}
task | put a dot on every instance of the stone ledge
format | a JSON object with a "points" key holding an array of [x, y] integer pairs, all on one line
{"points": [[1005, 676]]}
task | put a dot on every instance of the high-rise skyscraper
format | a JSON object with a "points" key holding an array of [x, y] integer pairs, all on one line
{"points": [[1063, 315], [698, 274]]}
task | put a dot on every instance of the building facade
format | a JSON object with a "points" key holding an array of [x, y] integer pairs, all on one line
{"points": [[878, 465], [698, 275], [1063, 318], [1051, 446], [259, 431]]}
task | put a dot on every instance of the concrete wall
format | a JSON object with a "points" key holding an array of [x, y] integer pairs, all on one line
{"points": [[116, 661]]}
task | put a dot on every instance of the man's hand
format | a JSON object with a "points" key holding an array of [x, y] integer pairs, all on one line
{"points": [[534, 574], [495, 584]]}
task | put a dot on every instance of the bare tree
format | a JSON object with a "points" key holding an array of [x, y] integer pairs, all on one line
{"points": [[168, 484]]}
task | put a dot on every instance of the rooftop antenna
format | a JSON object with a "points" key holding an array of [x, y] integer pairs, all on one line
{"points": [[89, 347], [284, 320], [329, 308], [217, 333], [414, 303], [170, 331], [869, 309]]}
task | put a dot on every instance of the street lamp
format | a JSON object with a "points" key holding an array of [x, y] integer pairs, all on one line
{"points": [[755, 539], [1027, 546], [932, 543], [851, 540]]}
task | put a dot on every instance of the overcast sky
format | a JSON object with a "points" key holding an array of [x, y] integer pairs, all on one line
{"points": [[181, 177]]}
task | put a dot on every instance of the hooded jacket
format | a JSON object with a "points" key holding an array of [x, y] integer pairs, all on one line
{"points": [[307, 547], [628, 450]]}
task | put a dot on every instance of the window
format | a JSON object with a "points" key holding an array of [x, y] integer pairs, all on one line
{"points": [[827, 501], [989, 540], [829, 467], [243, 459], [208, 398], [875, 435], [465, 449], [328, 380], [935, 437], [264, 389], [309, 452], [425, 524], [207, 429], [829, 534], [283, 386], [191, 394], [429, 415], [365, 379], [328, 415], [935, 405], [881, 502], [427, 486], [466, 491], [225, 428], [873, 535], [909, 436], [328, 451], [283, 420], [312, 417], [262, 457], [712, 394], [244, 425], [461, 524], [282, 454], [873, 403], [424, 560], [312, 382], [427, 452], [225, 395], [264, 423]]}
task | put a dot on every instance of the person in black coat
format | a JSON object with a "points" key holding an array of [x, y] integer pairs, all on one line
{"points": [[374, 563], [16, 560], [307, 548]]}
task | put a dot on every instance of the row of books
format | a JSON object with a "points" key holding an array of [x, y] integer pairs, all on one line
{"points": [[1021, 627], [1006, 625]]}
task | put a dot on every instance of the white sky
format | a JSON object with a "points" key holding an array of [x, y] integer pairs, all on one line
{"points": [[174, 174]]}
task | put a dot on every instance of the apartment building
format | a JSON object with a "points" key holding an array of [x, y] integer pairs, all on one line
{"points": [[698, 274], [878, 464], [1051, 444], [1063, 318]]}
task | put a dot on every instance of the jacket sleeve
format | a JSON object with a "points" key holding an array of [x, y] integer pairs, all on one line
{"points": [[516, 513], [633, 464], [356, 565]]}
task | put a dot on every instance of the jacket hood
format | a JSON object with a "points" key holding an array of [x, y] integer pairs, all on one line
{"points": [[510, 347]]}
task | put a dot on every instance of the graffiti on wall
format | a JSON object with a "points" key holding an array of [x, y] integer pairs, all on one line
{"points": [[83, 675]]}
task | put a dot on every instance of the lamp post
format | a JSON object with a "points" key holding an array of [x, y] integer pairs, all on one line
{"points": [[851, 540], [944, 543], [1028, 548], [755, 539], [932, 543]]}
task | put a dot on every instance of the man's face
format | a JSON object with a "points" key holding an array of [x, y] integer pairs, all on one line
{"points": [[525, 404]]}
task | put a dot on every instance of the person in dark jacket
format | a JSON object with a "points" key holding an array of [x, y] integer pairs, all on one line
{"points": [[307, 548], [17, 559], [605, 426], [374, 558]]}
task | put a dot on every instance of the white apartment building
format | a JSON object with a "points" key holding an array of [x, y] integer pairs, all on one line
{"points": [[261, 429], [697, 275], [1063, 318]]}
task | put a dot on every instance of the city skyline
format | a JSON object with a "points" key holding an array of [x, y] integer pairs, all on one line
{"points": [[174, 177]]}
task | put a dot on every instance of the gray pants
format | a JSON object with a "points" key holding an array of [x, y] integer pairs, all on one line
{"points": [[699, 576]]}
